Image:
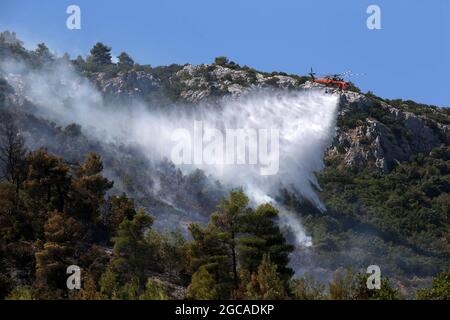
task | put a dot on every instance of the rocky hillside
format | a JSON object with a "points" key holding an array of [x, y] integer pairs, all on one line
{"points": [[370, 129]]}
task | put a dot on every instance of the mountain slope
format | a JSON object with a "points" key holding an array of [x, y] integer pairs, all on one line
{"points": [[385, 183]]}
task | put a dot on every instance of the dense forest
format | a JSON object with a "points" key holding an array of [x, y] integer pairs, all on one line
{"points": [[58, 208], [54, 215]]}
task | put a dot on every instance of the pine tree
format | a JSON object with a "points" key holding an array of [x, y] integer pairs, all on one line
{"points": [[154, 290], [46, 186], [88, 190], [12, 153], [129, 290], [203, 286], [263, 236], [47, 179], [171, 252], [228, 221], [59, 251], [266, 284], [125, 61], [221, 61], [108, 284], [208, 249], [9, 215], [119, 208], [94, 261], [89, 289], [79, 61], [131, 252], [43, 54], [100, 55]]}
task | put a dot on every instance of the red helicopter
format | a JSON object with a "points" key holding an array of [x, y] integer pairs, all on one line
{"points": [[335, 80]]}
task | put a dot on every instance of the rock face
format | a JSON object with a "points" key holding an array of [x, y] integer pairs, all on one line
{"points": [[203, 81], [384, 135], [131, 84]]}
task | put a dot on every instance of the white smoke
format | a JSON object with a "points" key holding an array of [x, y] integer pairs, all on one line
{"points": [[305, 120]]}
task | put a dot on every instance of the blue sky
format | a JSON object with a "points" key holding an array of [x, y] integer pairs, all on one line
{"points": [[408, 58]]}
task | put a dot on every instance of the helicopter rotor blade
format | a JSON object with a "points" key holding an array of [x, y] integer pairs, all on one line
{"points": [[351, 74]]}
